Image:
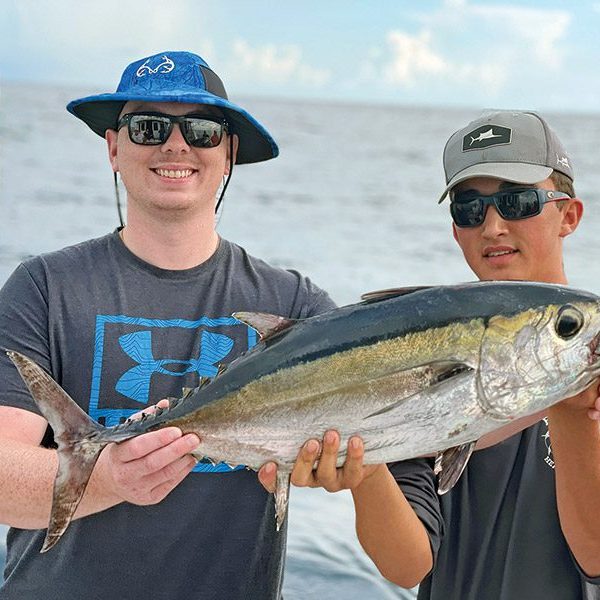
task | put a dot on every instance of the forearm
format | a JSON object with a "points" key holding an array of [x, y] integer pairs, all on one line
{"points": [[576, 449], [390, 531], [26, 482]]}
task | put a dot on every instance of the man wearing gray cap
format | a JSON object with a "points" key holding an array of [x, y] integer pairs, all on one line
{"points": [[522, 521], [126, 319]]}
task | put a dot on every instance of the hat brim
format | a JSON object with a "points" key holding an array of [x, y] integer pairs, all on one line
{"points": [[525, 173], [101, 112]]}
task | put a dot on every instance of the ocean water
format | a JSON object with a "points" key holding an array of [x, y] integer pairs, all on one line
{"points": [[351, 202]]}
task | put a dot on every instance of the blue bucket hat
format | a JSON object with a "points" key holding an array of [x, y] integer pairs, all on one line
{"points": [[176, 77]]}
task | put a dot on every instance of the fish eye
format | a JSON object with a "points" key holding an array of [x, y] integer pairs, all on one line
{"points": [[568, 322]]}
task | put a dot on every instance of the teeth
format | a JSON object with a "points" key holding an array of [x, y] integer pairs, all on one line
{"points": [[174, 174], [500, 253]]}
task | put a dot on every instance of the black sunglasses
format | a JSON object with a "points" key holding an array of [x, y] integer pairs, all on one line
{"points": [[153, 129], [468, 209]]}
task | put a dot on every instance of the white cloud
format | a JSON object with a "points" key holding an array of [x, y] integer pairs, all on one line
{"points": [[483, 46], [538, 31], [412, 56], [273, 64]]}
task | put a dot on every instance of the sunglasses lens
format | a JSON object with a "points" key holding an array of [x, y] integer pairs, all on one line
{"points": [[468, 214], [202, 133], [518, 205], [154, 129], [149, 130], [511, 205]]}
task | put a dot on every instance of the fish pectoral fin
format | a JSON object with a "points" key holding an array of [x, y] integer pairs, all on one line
{"points": [[378, 295], [264, 323], [282, 492], [428, 375], [450, 464]]}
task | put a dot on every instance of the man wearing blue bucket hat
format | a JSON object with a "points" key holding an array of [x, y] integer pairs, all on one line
{"points": [[131, 317]]}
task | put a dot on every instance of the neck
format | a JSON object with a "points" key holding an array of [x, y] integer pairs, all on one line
{"points": [[173, 244], [558, 277]]}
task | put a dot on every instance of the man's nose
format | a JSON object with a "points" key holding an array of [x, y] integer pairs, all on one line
{"points": [[175, 142], [493, 224]]}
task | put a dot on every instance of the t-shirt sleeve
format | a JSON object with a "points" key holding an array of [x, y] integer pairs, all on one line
{"points": [[24, 328], [591, 584], [418, 484], [310, 299]]}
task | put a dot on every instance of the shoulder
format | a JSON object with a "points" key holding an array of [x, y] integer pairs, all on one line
{"points": [[289, 285], [243, 259], [76, 255]]}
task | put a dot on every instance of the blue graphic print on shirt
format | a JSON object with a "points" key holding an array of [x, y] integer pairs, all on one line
{"points": [[136, 382]]}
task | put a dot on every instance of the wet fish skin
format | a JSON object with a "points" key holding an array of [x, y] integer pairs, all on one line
{"points": [[412, 373]]}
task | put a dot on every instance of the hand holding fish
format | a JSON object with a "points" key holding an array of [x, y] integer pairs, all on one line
{"points": [[594, 412], [588, 399], [145, 472], [326, 475], [145, 469]]}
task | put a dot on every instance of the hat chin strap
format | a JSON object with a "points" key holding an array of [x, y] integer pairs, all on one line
{"points": [[228, 176], [221, 195], [120, 211]]}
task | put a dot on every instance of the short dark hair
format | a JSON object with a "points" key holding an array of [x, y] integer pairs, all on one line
{"points": [[562, 183]]}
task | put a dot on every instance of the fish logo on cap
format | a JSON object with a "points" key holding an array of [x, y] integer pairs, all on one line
{"points": [[486, 136], [166, 66]]}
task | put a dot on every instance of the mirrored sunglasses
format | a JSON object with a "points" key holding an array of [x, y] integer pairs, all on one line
{"points": [[468, 209], [153, 129]]}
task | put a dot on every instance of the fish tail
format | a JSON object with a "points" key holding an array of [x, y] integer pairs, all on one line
{"points": [[74, 432]]}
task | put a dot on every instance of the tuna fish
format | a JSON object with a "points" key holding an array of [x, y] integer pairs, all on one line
{"points": [[413, 371]]}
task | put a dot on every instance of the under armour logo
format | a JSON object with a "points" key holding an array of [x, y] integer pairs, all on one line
{"points": [[165, 66], [135, 383]]}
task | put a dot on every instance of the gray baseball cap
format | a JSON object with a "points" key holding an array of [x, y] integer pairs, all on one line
{"points": [[510, 145]]}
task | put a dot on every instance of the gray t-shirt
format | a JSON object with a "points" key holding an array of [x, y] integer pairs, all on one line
{"points": [[496, 535], [119, 334]]}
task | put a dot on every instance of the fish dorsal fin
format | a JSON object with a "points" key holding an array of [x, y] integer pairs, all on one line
{"points": [[264, 323], [392, 293], [450, 464]]}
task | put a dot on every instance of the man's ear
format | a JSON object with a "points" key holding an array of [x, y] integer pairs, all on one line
{"points": [[110, 135], [236, 143], [571, 212]]}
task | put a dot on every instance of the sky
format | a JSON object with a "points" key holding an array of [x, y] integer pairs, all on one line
{"points": [[471, 53]]}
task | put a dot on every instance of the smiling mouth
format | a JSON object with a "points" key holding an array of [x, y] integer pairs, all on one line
{"points": [[174, 174], [499, 253]]}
